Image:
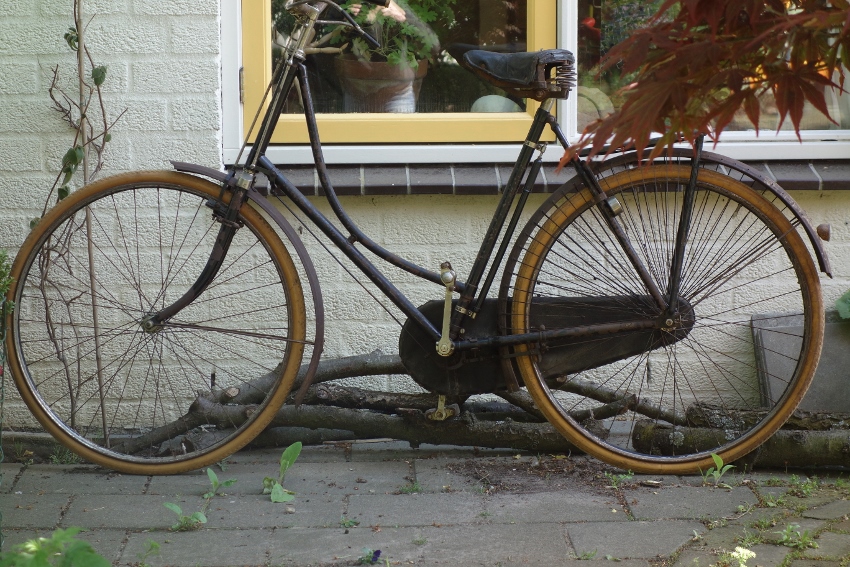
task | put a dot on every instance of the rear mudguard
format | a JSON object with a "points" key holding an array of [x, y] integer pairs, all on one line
{"points": [[740, 171], [300, 250]]}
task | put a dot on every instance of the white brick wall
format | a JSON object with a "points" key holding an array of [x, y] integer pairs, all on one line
{"points": [[163, 59], [163, 67]]}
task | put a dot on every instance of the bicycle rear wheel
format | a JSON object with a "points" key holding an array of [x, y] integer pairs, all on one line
{"points": [[165, 401], [661, 400]]}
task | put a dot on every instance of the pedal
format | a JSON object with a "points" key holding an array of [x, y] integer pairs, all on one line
{"points": [[442, 412]]}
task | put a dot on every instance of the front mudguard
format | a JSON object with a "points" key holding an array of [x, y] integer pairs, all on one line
{"points": [[300, 250]]}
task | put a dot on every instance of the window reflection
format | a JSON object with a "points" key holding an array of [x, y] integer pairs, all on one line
{"points": [[604, 23], [417, 69]]}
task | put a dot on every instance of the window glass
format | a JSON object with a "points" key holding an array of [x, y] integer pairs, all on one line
{"points": [[603, 23], [416, 70]]}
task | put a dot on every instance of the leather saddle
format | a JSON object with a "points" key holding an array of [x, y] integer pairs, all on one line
{"points": [[538, 75]]}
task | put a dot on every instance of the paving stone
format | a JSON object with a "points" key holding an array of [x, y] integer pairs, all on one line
{"points": [[339, 478], [303, 547], [814, 563], [202, 548], [264, 457], [8, 474], [552, 507], [541, 545], [830, 545], [688, 502], [696, 558], [774, 535], [108, 543], [632, 539], [32, 510], [769, 555], [128, 512], [259, 511], [58, 479], [830, 511], [415, 509], [434, 476]]}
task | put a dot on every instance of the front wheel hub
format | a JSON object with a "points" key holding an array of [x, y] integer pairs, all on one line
{"points": [[150, 325]]}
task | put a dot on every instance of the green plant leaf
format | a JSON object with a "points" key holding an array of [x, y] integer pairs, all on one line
{"points": [[280, 494], [63, 192], [268, 485], [228, 482], [98, 75], [287, 459], [73, 156], [173, 507], [198, 517], [72, 38], [718, 461], [213, 477], [107, 138]]}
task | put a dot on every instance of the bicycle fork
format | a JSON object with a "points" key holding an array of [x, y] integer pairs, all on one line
{"points": [[228, 216]]}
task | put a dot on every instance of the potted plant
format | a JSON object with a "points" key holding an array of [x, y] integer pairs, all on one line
{"points": [[388, 78]]}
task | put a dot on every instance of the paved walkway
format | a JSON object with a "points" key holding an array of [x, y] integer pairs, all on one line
{"points": [[434, 506]]}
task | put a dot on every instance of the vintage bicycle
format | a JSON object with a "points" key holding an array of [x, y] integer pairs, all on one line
{"points": [[160, 317]]}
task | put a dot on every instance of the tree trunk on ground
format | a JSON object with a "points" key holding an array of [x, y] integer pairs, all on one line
{"points": [[332, 412], [787, 447]]}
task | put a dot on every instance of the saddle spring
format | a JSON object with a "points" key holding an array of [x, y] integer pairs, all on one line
{"points": [[565, 76]]}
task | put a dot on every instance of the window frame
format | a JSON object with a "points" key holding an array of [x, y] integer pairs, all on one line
{"points": [[768, 146]]}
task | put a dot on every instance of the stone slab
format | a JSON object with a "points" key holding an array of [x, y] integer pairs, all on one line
{"points": [[830, 545], [552, 507], [259, 511], [688, 502], [339, 478], [407, 510], [131, 512], [831, 511], [264, 457], [58, 479], [8, 474], [32, 510], [632, 540], [542, 545], [828, 391], [302, 547], [202, 548], [434, 476]]}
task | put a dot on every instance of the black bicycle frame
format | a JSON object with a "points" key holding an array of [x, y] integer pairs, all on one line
{"points": [[472, 296]]}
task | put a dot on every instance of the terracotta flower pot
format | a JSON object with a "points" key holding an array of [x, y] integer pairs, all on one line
{"points": [[379, 86]]}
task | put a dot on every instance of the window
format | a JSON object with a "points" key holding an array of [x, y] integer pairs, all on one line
{"points": [[445, 110], [444, 129]]}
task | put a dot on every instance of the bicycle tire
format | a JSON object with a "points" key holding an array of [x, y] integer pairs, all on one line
{"points": [[745, 265], [107, 389]]}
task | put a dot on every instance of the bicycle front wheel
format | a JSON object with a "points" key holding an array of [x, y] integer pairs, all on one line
{"points": [[722, 376], [161, 400]]}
